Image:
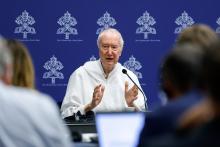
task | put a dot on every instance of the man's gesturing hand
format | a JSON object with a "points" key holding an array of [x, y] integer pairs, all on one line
{"points": [[97, 95], [131, 94]]}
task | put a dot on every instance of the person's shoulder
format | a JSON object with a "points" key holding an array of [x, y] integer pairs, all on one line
{"points": [[25, 91], [175, 107], [93, 67], [78, 70], [85, 66], [25, 96], [91, 63], [187, 100]]}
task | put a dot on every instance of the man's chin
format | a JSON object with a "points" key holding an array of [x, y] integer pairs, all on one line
{"points": [[109, 65], [109, 62]]}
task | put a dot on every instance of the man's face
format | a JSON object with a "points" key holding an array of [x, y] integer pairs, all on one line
{"points": [[109, 51]]}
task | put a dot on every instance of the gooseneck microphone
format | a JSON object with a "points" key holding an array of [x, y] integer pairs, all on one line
{"points": [[124, 71]]}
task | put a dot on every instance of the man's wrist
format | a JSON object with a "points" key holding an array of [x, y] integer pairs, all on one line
{"points": [[132, 107], [88, 107], [131, 104]]}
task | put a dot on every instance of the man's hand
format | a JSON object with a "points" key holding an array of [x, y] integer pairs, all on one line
{"points": [[96, 98], [97, 95], [131, 94]]}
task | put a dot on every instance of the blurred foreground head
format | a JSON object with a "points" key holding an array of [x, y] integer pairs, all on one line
{"points": [[199, 34], [5, 63], [212, 71], [208, 109], [23, 70], [181, 70]]}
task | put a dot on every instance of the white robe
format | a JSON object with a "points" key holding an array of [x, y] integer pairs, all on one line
{"points": [[83, 81]]}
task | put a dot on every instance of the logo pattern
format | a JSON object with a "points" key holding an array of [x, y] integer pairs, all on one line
{"points": [[105, 22], [218, 28], [25, 21], [67, 22], [133, 65], [146, 21], [53, 66], [92, 58], [183, 21]]}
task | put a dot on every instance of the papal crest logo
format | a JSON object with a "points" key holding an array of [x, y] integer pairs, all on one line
{"points": [[146, 21], [67, 23], [92, 58], [218, 28], [105, 22], [53, 66], [25, 21], [133, 65], [183, 21]]}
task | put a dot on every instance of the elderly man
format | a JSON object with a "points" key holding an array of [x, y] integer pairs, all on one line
{"points": [[27, 118], [100, 85]]}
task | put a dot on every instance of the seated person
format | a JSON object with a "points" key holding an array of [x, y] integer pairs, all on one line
{"points": [[27, 118], [200, 124], [100, 85], [180, 73], [181, 80]]}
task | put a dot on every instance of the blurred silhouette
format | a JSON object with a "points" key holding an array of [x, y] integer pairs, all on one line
{"points": [[200, 124], [27, 118], [181, 70], [181, 80], [23, 70], [198, 34], [206, 114]]}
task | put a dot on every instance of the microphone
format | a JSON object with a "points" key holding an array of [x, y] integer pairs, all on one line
{"points": [[124, 71]]}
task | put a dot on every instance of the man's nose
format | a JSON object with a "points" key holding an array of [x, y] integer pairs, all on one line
{"points": [[109, 51]]}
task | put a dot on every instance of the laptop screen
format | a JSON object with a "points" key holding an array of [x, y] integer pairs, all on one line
{"points": [[119, 129]]}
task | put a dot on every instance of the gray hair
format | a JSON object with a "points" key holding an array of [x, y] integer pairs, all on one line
{"points": [[5, 56], [111, 30]]}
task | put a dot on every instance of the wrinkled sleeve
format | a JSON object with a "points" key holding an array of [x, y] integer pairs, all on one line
{"points": [[73, 100]]}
